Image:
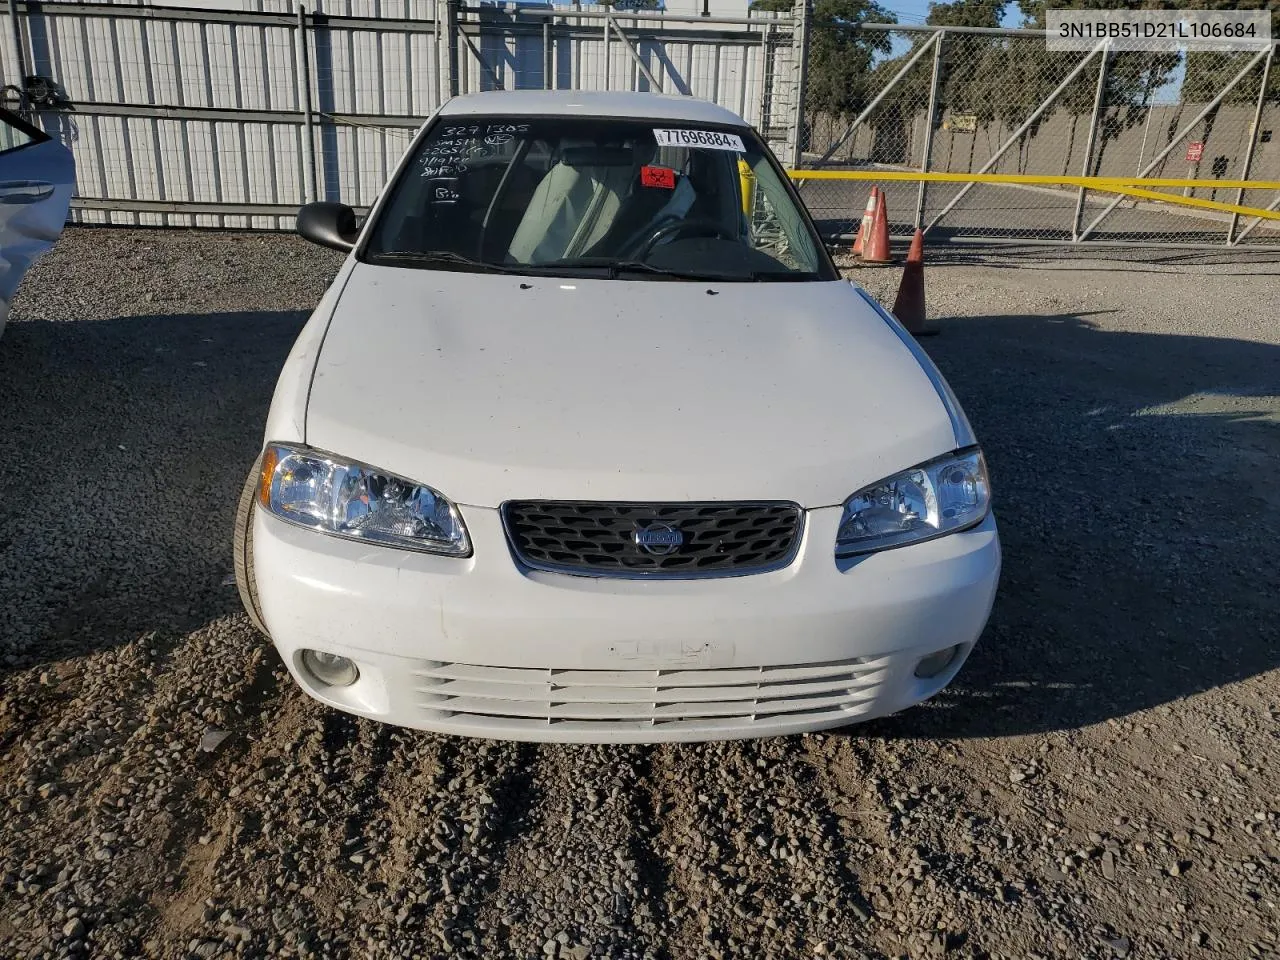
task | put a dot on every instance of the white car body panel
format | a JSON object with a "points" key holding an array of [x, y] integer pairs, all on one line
{"points": [[492, 388], [286, 420], [36, 183], [589, 103], [399, 615]]}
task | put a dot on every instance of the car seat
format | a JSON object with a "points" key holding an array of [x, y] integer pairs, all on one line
{"points": [[575, 203]]}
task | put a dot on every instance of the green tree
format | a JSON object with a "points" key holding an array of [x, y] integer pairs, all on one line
{"points": [[1210, 71], [975, 66], [840, 54], [967, 13], [1135, 77]]}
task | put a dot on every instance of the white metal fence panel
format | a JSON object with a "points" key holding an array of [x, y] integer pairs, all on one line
{"points": [[199, 117]]}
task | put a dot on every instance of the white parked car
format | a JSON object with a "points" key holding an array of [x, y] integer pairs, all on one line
{"points": [[588, 441], [37, 177]]}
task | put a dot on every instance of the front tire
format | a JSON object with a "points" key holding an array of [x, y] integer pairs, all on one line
{"points": [[243, 549]]}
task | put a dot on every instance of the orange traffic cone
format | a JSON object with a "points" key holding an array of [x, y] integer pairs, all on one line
{"points": [[909, 307], [876, 249], [868, 216]]}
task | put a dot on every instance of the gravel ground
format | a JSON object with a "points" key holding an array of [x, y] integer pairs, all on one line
{"points": [[1099, 782]]}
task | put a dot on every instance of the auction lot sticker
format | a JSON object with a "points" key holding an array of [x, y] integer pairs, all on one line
{"points": [[706, 139]]}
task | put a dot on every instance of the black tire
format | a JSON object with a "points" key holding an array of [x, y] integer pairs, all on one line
{"points": [[243, 549]]}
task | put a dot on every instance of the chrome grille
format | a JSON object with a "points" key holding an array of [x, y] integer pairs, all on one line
{"points": [[717, 699], [599, 538]]}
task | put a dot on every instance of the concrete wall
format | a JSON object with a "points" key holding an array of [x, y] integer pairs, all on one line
{"points": [[1057, 145]]}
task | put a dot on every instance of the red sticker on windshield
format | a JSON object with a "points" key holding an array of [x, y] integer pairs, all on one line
{"points": [[663, 177]]}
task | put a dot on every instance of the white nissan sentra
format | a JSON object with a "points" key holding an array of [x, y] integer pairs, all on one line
{"points": [[589, 441]]}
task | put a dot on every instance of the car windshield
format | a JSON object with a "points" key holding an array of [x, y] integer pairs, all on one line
{"points": [[630, 199]]}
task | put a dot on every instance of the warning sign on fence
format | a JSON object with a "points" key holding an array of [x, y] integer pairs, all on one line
{"points": [[1195, 150]]}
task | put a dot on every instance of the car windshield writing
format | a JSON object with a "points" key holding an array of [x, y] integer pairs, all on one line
{"points": [[655, 200]]}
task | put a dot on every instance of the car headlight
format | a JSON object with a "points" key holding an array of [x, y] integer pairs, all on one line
{"points": [[353, 500], [928, 501]]}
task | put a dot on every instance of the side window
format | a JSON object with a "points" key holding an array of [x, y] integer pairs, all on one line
{"points": [[774, 222], [14, 133]]}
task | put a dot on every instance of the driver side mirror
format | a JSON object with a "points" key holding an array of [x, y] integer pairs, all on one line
{"points": [[328, 224]]}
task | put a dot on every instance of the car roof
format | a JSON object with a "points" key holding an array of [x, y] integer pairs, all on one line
{"points": [[581, 103]]}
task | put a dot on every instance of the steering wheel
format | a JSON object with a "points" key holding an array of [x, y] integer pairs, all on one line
{"points": [[704, 227]]}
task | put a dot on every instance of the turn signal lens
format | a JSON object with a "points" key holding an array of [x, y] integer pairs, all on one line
{"points": [[270, 458]]}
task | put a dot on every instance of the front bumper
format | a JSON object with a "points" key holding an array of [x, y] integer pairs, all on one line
{"points": [[482, 647]]}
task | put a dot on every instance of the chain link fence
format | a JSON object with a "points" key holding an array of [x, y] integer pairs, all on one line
{"points": [[220, 118], [956, 101]]}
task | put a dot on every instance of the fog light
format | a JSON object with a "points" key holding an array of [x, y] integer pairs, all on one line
{"points": [[329, 669], [937, 663]]}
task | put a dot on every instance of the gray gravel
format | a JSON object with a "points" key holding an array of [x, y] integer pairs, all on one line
{"points": [[1100, 781]]}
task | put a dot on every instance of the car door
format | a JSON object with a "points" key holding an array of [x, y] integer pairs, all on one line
{"points": [[37, 176]]}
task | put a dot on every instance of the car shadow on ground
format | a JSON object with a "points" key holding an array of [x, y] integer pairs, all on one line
{"points": [[1135, 490], [125, 446]]}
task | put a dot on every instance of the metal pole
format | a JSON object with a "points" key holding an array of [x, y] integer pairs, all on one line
{"points": [[451, 46], [930, 122], [14, 41], [635, 55], [575, 50], [1168, 148], [1040, 33], [1013, 138], [1253, 140], [915, 58], [608, 19], [766, 85], [437, 36], [1146, 129], [1088, 145], [554, 59], [1256, 220], [309, 193], [800, 47], [546, 55], [699, 20], [494, 74]]}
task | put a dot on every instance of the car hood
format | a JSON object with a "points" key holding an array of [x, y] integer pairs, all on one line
{"points": [[494, 387]]}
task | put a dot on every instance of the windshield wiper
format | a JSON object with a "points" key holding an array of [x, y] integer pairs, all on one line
{"points": [[614, 268], [428, 257]]}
